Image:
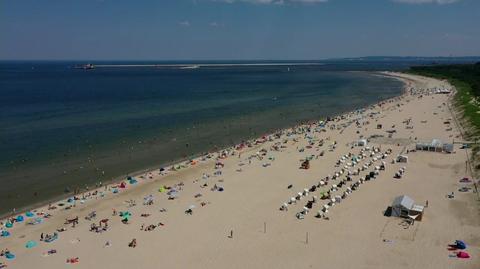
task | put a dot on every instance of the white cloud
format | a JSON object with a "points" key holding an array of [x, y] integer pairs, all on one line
{"points": [[184, 23], [440, 2]]}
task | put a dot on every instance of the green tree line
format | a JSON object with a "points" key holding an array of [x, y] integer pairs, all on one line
{"points": [[466, 79]]}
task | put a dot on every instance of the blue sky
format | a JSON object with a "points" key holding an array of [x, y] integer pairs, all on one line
{"points": [[237, 29]]}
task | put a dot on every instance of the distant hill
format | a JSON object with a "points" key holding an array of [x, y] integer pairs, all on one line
{"points": [[410, 59]]}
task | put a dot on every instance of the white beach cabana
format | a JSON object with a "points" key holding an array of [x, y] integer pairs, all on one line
{"points": [[362, 142], [435, 145], [405, 207], [402, 159]]}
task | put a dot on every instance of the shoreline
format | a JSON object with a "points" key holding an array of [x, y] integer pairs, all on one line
{"points": [[153, 168]]}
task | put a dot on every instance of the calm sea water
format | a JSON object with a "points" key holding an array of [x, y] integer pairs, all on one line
{"points": [[62, 127]]}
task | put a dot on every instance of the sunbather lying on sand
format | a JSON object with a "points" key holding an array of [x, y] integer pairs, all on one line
{"points": [[50, 252], [73, 260], [150, 227]]}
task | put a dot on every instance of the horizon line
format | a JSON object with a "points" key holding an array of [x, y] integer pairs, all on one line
{"points": [[243, 60]]}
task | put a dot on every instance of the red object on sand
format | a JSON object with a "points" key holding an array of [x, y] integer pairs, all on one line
{"points": [[73, 260], [463, 255]]}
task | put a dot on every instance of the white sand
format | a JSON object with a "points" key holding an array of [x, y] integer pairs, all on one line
{"points": [[356, 236]]}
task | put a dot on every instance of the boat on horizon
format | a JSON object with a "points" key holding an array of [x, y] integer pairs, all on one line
{"points": [[85, 66]]}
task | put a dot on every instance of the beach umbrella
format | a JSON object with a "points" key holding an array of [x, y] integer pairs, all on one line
{"points": [[9, 225], [5, 233], [29, 214], [19, 218], [460, 244], [31, 244], [125, 213], [10, 256]]}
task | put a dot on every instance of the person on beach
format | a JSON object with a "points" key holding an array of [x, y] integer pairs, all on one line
{"points": [[73, 260], [133, 243], [4, 252]]}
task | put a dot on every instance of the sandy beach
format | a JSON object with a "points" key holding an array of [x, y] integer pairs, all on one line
{"points": [[223, 210]]}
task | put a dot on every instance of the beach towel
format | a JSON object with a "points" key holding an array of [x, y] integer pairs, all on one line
{"points": [[31, 244], [50, 252], [463, 255], [35, 221]]}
